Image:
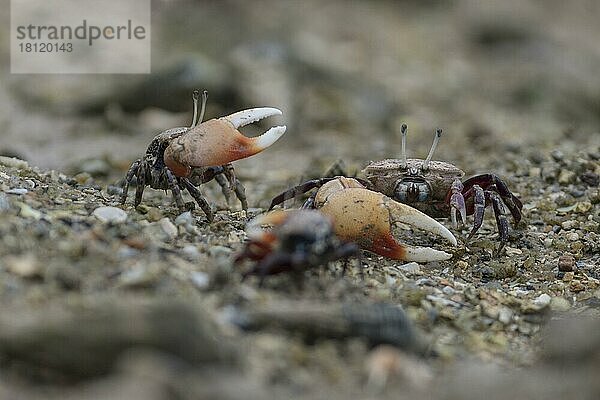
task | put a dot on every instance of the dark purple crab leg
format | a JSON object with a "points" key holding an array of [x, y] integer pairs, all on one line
{"points": [[479, 209], [298, 190], [457, 203], [174, 186], [487, 181], [500, 214]]}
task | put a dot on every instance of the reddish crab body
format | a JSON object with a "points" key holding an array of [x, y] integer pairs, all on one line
{"points": [[294, 241]]}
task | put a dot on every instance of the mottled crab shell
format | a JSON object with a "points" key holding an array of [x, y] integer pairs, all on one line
{"points": [[385, 175]]}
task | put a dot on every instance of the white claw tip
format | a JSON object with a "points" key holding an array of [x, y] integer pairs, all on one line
{"points": [[246, 117], [425, 254], [269, 137]]}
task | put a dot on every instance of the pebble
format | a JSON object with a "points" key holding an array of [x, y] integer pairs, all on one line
{"points": [[17, 191], [566, 263], [200, 279], [411, 268], [560, 304], [568, 276], [576, 286], [542, 300], [154, 214], [168, 228], [139, 276], [505, 315], [573, 236], [28, 212], [13, 162], [448, 290], [184, 219], [219, 251], [111, 215], [26, 266], [566, 176], [190, 252], [568, 225], [4, 202]]}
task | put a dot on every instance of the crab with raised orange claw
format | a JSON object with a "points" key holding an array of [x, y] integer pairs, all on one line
{"points": [[295, 241], [366, 217], [186, 157]]}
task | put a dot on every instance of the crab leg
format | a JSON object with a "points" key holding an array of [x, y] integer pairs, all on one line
{"points": [[367, 217], [218, 142]]}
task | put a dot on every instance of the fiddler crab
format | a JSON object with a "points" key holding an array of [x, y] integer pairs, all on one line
{"points": [[433, 187], [186, 157], [366, 217], [294, 241]]}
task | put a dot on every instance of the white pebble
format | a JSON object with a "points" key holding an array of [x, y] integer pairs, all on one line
{"points": [[112, 215]]}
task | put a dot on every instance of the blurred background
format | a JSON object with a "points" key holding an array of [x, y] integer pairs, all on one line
{"points": [[498, 77]]}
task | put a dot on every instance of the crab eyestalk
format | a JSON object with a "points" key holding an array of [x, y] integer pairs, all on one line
{"points": [[403, 130], [436, 140], [195, 97], [218, 142]]}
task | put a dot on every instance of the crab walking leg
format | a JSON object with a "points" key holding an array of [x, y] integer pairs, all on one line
{"points": [[479, 209], [367, 217], [128, 178]]}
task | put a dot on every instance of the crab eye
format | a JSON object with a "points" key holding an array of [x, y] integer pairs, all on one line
{"points": [[412, 192]]}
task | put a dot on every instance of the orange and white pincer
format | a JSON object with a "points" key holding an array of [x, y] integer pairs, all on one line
{"points": [[366, 217], [218, 141]]}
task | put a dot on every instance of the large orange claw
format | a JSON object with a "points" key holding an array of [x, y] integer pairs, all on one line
{"points": [[366, 217], [218, 142]]}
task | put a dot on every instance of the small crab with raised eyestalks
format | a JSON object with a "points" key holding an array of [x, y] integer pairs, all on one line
{"points": [[296, 241], [186, 157], [366, 217], [437, 189]]}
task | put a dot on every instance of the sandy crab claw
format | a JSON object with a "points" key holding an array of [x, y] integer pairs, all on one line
{"points": [[367, 218], [218, 141]]}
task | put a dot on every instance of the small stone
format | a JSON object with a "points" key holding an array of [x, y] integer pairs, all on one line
{"points": [[566, 176], [568, 225], [583, 207], [568, 277], [576, 286], [168, 228], [17, 191], [200, 279], [190, 252], [560, 304], [410, 268], [505, 315], [548, 242], [566, 263], [140, 276], [28, 212], [26, 266], [4, 202], [219, 251], [462, 264], [573, 236], [542, 300], [110, 215], [13, 162], [448, 290], [184, 219], [154, 214]]}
